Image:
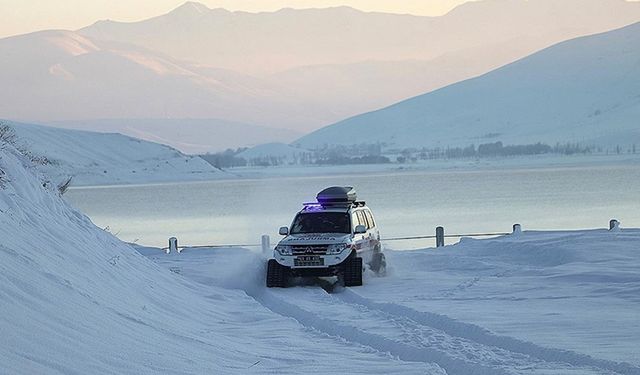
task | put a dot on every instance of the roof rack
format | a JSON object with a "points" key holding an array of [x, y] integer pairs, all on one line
{"points": [[316, 206]]}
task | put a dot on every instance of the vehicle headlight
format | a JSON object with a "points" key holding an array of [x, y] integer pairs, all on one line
{"points": [[338, 248], [284, 250]]}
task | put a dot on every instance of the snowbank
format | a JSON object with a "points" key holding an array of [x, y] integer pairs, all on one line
{"points": [[76, 300]]}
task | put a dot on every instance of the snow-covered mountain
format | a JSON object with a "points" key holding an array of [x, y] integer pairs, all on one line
{"points": [[61, 75], [106, 158], [291, 69], [584, 90], [276, 41], [329, 64]]}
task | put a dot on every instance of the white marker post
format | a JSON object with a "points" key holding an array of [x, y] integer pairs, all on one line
{"points": [[517, 229], [266, 244]]}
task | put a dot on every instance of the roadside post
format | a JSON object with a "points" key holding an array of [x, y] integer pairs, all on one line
{"points": [[173, 245], [614, 225], [439, 236], [266, 244], [517, 229]]}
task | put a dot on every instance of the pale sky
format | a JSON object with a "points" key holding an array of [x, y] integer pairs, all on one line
{"points": [[23, 16]]}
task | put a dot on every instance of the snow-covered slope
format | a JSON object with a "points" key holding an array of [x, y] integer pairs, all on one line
{"points": [[75, 300], [583, 90], [107, 159]]}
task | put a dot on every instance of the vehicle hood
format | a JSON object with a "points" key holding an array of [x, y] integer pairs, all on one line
{"points": [[315, 239]]}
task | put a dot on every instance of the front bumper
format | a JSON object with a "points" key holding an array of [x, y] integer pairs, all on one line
{"points": [[313, 264]]}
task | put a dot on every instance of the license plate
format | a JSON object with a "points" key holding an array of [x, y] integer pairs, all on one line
{"points": [[308, 261]]}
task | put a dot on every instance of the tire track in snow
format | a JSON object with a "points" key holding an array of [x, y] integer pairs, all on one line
{"points": [[403, 351], [482, 336]]}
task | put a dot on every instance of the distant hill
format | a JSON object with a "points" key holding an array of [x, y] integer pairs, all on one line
{"points": [[288, 38], [584, 90], [239, 74], [61, 75], [193, 136], [325, 65], [106, 159]]}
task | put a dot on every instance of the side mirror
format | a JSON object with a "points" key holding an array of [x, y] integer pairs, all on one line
{"points": [[360, 229], [284, 231]]}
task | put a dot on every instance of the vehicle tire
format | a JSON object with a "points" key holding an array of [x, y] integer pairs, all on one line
{"points": [[277, 275], [352, 274], [378, 263]]}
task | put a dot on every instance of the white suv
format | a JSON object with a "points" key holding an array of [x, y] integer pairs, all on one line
{"points": [[331, 237]]}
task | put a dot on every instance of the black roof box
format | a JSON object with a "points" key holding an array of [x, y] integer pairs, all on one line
{"points": [[337, 195]]}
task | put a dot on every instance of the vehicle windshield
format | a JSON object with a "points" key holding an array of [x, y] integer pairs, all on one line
{"points": [[321, 222]]}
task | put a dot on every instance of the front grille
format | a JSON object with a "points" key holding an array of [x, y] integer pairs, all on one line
{"points": [[309, 249]]}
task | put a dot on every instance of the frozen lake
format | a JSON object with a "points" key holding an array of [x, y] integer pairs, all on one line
{"points": [[404, 203]]}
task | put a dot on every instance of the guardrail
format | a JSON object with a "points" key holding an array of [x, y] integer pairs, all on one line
{"points": [[440, 235]]}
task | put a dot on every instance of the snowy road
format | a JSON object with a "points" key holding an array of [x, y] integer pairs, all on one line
{"points": [[400, 314]]}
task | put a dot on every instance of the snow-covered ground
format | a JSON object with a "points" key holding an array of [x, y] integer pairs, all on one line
{"points": [[535, 303], [108, 158], [76, 300]]}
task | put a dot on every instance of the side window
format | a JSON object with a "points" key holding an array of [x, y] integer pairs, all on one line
{"points": [[366, 218], [355, 220], [369, 216], [362, 219]]}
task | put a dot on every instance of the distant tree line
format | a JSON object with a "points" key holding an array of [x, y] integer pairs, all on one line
{"points": [[230, 159], [344, 160], [494, 149], [355, 150], [338, 155], [373, 154], [225, 159]]}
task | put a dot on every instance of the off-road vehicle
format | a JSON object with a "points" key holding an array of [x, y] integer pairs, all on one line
{"points": [[335, 236]]}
